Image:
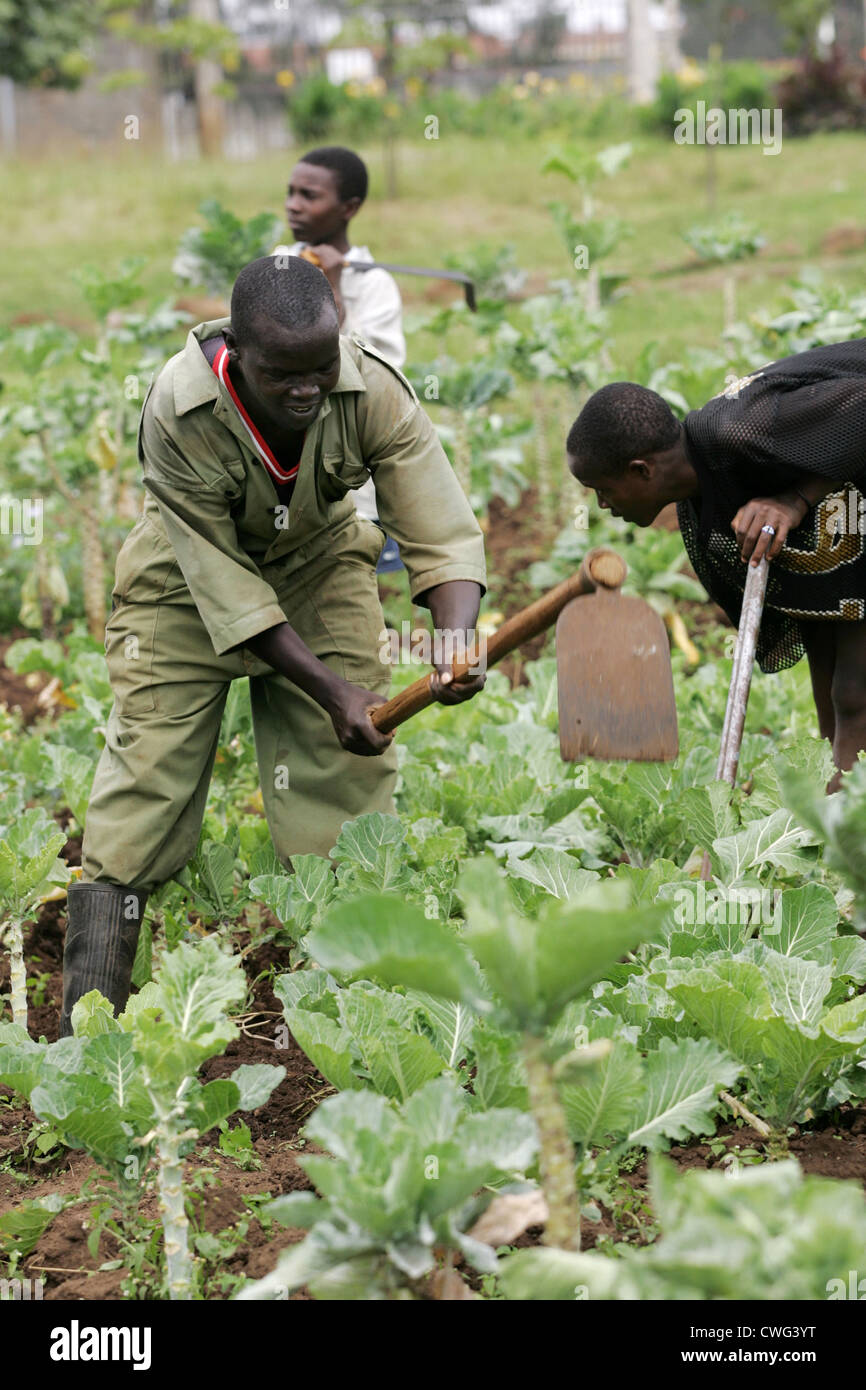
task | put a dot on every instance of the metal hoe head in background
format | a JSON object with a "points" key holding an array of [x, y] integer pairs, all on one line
{"points": [[616, 690], [616, 695], [456, 275]]}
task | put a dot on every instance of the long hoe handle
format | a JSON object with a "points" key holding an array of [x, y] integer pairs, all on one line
{"points": [[741, 680], [599, 568]]}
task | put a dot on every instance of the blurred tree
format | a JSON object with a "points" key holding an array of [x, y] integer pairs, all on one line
{"points": [[445, 22], [45, 44], [643, 58], [800, 20], [542, 33], [382, 19], [189, 31], [669, 37], [208, 77], [763, 24], [433, 54], [50, 44]]}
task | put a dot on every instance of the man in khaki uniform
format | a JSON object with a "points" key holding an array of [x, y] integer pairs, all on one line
{"points": [[249, 560]]}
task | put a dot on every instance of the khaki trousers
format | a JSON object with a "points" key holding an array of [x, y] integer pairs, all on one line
{"points": [[151, 784]]}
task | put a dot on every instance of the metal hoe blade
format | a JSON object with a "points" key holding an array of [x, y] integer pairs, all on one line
{"points": [[456, 276], [616, 692]]}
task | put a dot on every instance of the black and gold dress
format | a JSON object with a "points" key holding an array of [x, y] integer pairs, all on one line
{"points": [[804, 414]]}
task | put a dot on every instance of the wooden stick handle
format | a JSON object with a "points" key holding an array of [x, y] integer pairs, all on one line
{"points": [[741, 681], [600, 568], [741, 675]]}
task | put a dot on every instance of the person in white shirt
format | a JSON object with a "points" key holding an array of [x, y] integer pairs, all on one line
{"points": [[327, 187]]}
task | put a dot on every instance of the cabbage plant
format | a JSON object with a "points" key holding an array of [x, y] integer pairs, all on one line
{"points": [[839, 820], [772, 1011], [29, 870], [402, 1186], [126, 1091], [213, 255], [518, 972], [766, 1233]]}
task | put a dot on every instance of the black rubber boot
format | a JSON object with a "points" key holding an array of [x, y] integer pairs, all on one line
{"points": [[101, 939]]}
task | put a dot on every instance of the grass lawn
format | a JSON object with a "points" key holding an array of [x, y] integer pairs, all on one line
{"points": [[60, 214]]}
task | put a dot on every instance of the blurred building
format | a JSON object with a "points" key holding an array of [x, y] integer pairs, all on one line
{"points": [[283, 41]]}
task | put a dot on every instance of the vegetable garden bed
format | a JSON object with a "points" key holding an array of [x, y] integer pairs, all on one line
{"points": [[499, 1045], [556, 834], [69, 1270]]}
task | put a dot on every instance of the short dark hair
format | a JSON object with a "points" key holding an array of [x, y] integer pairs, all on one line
{"points": [[349, 168], [621, 422], [285, 289]]}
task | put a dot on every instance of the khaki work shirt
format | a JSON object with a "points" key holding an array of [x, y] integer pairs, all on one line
{"points": [[210, 495]]}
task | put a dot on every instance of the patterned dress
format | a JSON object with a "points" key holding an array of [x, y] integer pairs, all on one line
{"points": [[802, 415]]}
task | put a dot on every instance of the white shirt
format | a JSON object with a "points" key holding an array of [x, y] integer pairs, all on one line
{"points": [[372, 302], [374, 311]]}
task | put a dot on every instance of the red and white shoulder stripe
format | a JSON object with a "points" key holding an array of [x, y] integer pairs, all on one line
{"points": [[279, 474]]}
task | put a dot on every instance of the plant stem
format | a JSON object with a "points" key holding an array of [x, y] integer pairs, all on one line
{"points": [[93, 573], [107, 492], [556, 1154], [544, 481], [48, 627], [777, 1146], [739, 1108], [93, 557], [593, 290], [570, 492], [174, 1219], [592, 294], [729, 299], [17, 973], [463, 453]]}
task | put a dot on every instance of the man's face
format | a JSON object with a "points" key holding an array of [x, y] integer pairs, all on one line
{"points": [[632, 494], [289, 374], [314, 208]]}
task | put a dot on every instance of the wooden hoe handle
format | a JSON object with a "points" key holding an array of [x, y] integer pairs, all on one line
{"points": [[741, 682], [600, 568]]}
